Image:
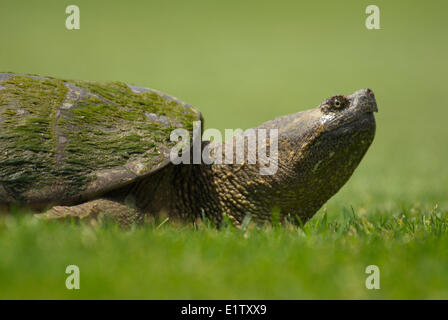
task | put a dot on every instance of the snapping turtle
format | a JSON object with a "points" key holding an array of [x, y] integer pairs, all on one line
{"points": [[79, 149]]}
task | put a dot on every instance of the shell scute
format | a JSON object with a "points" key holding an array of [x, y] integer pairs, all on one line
{"points": [[63, 141]]}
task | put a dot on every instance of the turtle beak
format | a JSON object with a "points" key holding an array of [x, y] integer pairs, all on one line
{"points": [[363, 101]]}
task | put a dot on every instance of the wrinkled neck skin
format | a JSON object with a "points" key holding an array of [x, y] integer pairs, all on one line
{"points": [[188, 192]]}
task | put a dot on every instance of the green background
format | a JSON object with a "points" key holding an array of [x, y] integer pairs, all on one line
{"points": [[242, 63]]}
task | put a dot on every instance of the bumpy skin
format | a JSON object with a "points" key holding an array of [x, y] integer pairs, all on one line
{"points": [[318, 150]]}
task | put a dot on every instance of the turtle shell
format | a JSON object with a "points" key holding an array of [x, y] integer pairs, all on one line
{"points": [[64, 141]]}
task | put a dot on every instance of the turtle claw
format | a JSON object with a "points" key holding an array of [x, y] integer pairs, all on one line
{"points": [[94, 211], [82, 211]]}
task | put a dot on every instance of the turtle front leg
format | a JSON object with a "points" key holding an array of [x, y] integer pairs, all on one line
{"points": [[94, 211]]}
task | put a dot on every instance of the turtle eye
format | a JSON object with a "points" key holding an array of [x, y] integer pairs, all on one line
{"points": [[338, 102], [334, 103]]}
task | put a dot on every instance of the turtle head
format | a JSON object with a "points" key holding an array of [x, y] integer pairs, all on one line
{"points": [[327, 143], [337, 121], [346, 111], [347, 124]]}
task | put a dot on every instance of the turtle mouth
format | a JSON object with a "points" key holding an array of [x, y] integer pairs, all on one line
{"points": [[360, 114], [363, 101], [365, 122]]}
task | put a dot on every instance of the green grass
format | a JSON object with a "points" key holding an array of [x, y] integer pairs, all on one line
{"points": [[326, 258], [242, 63]]}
